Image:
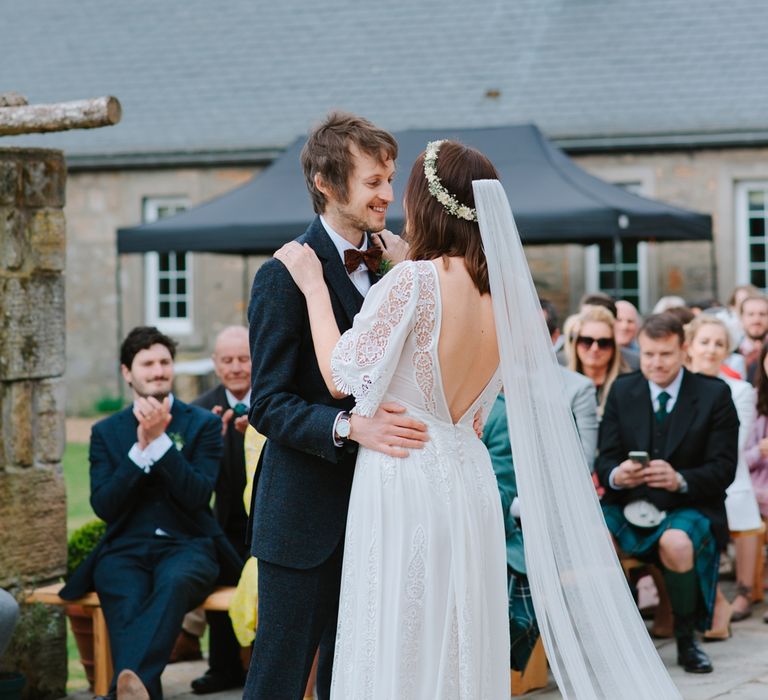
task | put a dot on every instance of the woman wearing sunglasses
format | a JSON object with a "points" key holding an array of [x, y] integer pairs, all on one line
{"points": [[592, 350]]}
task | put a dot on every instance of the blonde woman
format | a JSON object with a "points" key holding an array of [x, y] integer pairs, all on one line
{"points": [[708, 344], [592, 350]]}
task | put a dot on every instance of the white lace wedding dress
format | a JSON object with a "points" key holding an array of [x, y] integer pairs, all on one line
{"points": [[423, 609]]}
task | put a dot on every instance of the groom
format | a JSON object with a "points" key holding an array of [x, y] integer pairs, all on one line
{"points": [[302, 485]]}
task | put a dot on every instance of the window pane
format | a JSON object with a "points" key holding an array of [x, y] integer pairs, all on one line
{"points": [[164, 285], [757, 253], [181, 309], [629, 252], [606, 253], [165, 309], [607, 280], [756, 200], [757, 227], [630, 279], [181, 262], [632, 298], [757, 277], [163, 262], [181, 285]]}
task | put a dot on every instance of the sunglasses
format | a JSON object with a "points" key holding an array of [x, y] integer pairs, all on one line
{"points": [[603, 343]]}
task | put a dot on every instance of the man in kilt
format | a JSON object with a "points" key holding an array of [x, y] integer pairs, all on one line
{"points": [[667, 506]]}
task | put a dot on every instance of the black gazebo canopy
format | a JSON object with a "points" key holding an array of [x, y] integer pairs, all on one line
{"points": [[554, 201]]}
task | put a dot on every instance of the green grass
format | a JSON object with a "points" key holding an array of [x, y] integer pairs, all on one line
{"points": [[75, 463]]}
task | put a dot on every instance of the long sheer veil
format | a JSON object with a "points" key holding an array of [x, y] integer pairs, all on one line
{"points": [[595, 639]]}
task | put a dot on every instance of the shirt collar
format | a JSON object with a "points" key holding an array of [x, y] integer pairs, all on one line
{"points": [[340, 242], [673, 389], [232, 400]]}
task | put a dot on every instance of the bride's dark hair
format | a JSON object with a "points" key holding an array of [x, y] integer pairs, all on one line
{"points": [[434, 233]]}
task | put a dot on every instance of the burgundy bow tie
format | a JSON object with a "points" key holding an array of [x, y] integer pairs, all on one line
{"points": [[371, 258]]}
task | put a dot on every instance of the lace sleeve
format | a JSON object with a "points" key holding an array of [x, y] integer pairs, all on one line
{"points": [[366, 356]]}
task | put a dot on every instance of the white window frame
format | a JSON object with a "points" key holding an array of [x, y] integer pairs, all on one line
{"points": [[592, 273], [742, 228], [151, 208], [592, 260]]}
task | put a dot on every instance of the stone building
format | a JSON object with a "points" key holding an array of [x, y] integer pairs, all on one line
{"points": [[664, 98]]}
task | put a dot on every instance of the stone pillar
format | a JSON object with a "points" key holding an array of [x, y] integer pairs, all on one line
{"points": [[33, 527]]}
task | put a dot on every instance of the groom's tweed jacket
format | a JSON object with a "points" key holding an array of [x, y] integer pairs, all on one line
{"points": [[301, 489]]}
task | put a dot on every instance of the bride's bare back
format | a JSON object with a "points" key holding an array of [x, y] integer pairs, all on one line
{"points": [[467, 348]]}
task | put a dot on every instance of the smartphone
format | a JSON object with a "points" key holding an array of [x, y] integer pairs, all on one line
{"points": [[639, 456]]}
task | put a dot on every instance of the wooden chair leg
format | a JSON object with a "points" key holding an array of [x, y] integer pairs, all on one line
{"points": [[534, 675], [102, 654], [758, 591]]}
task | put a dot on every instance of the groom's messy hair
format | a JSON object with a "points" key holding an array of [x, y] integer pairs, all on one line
{"points": [[326, 153], [430, 229]]}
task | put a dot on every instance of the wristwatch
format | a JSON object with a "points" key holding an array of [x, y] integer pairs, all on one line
{"points": [[682, 484], [343, 426]]}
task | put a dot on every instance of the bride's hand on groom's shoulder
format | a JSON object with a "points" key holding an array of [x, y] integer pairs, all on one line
{"points": [[303, 265], [394, 247]]}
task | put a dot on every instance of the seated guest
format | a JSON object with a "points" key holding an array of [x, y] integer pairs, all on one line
{"points": [[708, 343], [628, 354], [664, 304], [627, 325], [154, 466], [756, 450], [754, 321], [592, 350], [667, 507], [230, 399], [9, 614]]}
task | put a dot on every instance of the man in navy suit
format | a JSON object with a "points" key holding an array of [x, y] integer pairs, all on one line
{"points": [[301, 489], [153, 469]]}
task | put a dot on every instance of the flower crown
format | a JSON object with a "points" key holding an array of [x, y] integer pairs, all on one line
{"points": [[438, 191]]}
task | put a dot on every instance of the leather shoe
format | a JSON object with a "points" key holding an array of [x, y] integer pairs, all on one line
{"points": [[186, 648], [130, 687], [692, 657], [214, 682]]}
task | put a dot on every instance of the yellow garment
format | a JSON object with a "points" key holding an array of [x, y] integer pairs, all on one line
{"points": [[243, 610]]}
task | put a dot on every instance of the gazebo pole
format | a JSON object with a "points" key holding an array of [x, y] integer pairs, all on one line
{"points": [[713, 266], [616, 258], [246, 290]]}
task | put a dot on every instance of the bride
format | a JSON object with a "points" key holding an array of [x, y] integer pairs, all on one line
{"points": [[423, 606]]}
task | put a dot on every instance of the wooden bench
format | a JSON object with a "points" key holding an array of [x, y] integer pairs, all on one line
{"points": [[535, 673], [220, 600], [534, 676]]}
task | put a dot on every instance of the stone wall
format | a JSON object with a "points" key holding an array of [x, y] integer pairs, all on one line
{"points": [[32, 360]]}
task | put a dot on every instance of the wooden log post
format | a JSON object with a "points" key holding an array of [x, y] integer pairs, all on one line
{"points": [[79, 114]]}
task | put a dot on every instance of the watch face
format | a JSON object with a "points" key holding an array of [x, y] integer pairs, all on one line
{"points": [[343, 427]]}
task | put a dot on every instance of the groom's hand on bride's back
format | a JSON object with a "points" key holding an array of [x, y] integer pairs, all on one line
{"points": [[389, 431]]}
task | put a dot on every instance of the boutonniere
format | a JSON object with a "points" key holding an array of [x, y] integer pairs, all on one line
{"points": [[384, 267], [178, 440]]}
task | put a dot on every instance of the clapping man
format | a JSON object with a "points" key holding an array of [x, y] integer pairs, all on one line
{"points": [[667, 452], [230, 399], [153, 469]]}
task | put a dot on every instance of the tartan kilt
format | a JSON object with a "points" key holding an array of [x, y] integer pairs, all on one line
{"points": [[642, 543], [523, 629]]}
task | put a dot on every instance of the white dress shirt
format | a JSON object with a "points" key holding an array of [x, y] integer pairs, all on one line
{"points": [[232, 400], [360, 276], [153, 452], [673, 390]]}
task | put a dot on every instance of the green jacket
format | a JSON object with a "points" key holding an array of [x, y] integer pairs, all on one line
{"points": [[496, 439]]}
